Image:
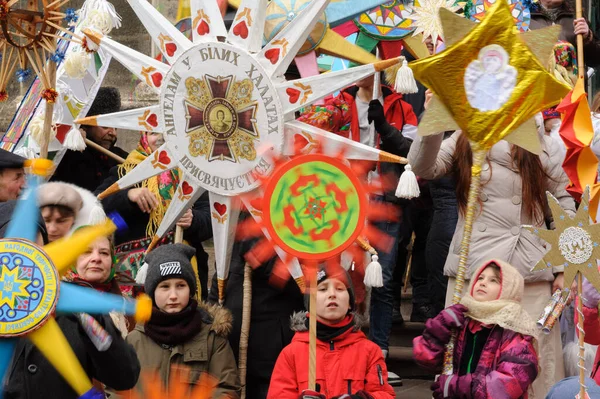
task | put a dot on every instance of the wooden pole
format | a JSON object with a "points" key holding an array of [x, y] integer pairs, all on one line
{"points": [[103, 150], [51, 74], [178, 234], [580, 59], [582, 387], [312, 329], [245, 333]]}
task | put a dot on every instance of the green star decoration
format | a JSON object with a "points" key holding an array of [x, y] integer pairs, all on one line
{"points": [[575, 242]]}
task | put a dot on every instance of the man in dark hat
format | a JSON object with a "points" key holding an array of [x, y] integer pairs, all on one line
{"points": [[89, 168], [12, 175]]}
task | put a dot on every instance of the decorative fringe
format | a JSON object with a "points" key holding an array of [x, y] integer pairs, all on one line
{"points": [[408, 187], [405, 80], [140, 277], [373, 273], [97, 215], [74, 140], [76, 64], [100, 14]]}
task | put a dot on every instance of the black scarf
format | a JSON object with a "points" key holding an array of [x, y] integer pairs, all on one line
{"points": [[327, 333], [174, 328]]}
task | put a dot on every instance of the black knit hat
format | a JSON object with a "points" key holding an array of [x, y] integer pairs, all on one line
{"points": [[107, 101], [170, 261], [8, 160], [337, 273]]}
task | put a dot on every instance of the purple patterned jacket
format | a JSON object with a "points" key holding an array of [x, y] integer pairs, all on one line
{"points": [[506, 368]]}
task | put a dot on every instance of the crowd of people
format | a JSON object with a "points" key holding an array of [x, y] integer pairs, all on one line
{"points": [[499, 351]]}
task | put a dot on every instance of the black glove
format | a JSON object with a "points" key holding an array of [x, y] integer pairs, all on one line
{"points": [[309, 394], [376, 115]]}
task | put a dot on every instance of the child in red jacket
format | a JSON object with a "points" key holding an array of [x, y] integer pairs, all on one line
{"points": [[348, 364], [494, 356]]}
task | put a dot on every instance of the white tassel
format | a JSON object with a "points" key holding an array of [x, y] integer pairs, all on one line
{"points": [[408, 187], [100, 14], [405, 80], [140, 278], [36, 129], [97, 215], [74, 140], [76, 64], [373, 273]]}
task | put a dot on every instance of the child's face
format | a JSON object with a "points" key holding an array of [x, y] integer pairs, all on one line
{"points": [[333, 301], [172, 295], [487, 287]]}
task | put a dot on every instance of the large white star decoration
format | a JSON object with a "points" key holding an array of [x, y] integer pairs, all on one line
{"points": [[225, 109]]}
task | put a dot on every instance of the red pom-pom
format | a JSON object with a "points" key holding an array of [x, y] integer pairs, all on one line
{"points": [[50, 95], [3, 96]]}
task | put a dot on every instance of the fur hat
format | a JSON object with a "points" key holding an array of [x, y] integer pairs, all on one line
{"points": [[338, 273], [108, 100], [61, 194], [170, 261]]}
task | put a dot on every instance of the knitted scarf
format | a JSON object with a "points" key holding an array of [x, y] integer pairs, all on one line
{"points": [[327, 333], [162, 185], [506, 311], [174, 328]]}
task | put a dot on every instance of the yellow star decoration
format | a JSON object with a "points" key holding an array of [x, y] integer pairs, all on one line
{"points": [[11, 286], [575, 242], [446, 75]]}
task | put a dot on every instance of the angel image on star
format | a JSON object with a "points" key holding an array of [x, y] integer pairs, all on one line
{"points": [[490, 79]]}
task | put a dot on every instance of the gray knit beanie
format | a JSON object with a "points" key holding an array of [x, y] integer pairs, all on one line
{"points": [[170, 261]]}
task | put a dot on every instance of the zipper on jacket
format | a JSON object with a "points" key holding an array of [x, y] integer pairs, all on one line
{"points": [[331, 346], [349, 387], [380, 374]]}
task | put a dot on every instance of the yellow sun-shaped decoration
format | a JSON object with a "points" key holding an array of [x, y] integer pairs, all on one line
{"points": [[31, 292], [426, 18], [226, 110], [575, 242]]}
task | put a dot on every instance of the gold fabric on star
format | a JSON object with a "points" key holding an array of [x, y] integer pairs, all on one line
{"points": [[534, 89]]}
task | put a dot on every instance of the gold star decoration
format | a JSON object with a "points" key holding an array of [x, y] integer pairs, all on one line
{"points": [[500, 112], [575, 242]]}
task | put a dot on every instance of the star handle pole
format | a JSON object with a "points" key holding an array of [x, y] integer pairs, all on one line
{"points": [[474, 189], [581, 355], [49, 111], [580, 59], [246, 315], [312, 328]]}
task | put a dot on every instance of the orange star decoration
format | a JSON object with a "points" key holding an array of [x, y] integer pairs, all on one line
{"points": [[152, 388], [489, 80], [575, 242]]}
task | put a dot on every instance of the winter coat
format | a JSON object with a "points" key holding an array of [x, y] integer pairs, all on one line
{"points": [[31, 376], [272, 306], [199, 231], [207, 352], [507, 366], [497, 231], [565, 18], [87, 168], [591, 327], [345, 365]]}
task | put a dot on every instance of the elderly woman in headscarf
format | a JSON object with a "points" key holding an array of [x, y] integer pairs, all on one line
{"points": [[143, 208]]}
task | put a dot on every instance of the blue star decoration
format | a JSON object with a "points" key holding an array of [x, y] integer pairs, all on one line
{"points": [[574, 242], [31, 292]]}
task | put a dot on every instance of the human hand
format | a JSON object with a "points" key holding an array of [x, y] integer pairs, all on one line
{"points": [[428, 98], [309, 394], [590, 295], [559, 282], [453, 316], [186, 220], [144, 199], [376, 114], [581, 27]]}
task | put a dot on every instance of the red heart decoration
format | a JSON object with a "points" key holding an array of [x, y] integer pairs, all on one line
{"points": [[163, 158], [152, 120], [241, 30], [257, 203], [293, 94], [273, 55], [220, 208], [186, 188], [203, 28], [170, 48], [156, 79], [299, 142]]}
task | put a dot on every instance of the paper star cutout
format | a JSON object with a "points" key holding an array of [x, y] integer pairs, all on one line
{"points": [[426, 17], [534, 90], [575, 242]]}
